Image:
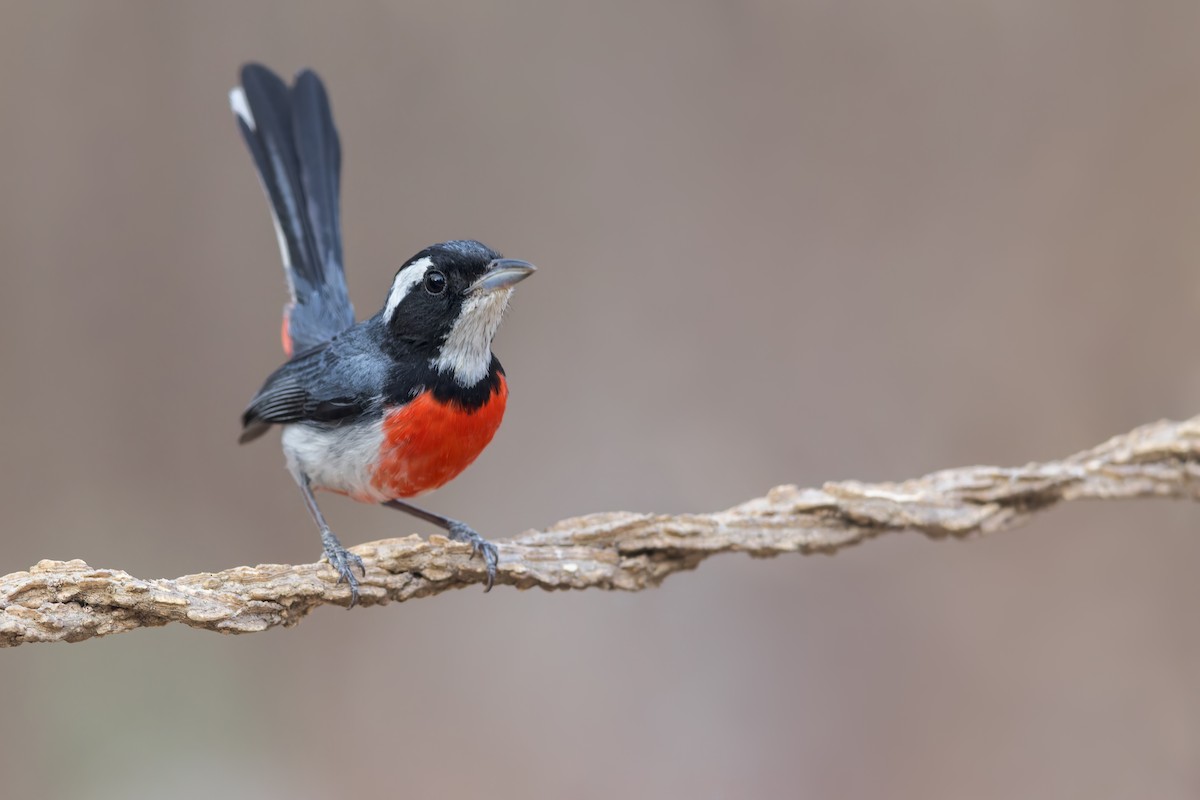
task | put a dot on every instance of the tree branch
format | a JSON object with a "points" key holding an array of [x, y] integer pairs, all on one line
{"points": [[71, 601]]}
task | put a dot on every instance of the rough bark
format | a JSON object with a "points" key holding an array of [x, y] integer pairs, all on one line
{"points": [[69, 601]]}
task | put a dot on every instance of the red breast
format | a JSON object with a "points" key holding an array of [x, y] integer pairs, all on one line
{"points": [[427, 442]]}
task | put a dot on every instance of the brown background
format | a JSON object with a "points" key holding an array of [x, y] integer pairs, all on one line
{"points": [[778, 243]]}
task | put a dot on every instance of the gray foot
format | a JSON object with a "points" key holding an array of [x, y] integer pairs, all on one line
{"points": [[343, 561], [481, 546]]}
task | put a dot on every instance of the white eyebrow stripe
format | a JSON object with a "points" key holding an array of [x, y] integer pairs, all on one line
{"points": [[405, 280]]}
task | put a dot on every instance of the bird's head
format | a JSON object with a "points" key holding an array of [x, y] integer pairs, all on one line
{"points": [[449, 299]]}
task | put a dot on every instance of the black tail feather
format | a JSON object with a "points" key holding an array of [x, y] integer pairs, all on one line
{"points": [[291, 136], [320, 157]]}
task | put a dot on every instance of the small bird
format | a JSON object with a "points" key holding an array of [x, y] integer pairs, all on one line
{"points": [[393, 406]]}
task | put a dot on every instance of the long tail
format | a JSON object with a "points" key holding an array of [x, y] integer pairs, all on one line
{"points": [[295, 147]]}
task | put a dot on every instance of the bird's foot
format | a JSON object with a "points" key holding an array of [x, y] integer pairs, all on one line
{"points": [[480, 546], [343, 561]]}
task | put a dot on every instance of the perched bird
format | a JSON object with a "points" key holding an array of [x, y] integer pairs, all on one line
{"points": [[393, 406]]}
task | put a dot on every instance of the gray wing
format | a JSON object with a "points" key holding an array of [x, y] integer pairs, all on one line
{"points": [[322, 385]]}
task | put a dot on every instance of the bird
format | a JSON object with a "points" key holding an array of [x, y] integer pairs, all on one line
{"points": [[393, 406]]}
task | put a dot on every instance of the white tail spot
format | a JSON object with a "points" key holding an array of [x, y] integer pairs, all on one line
{"points": [[237, 101]]}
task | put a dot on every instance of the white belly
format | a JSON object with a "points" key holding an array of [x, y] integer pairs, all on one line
{"points": [[338, 459]]}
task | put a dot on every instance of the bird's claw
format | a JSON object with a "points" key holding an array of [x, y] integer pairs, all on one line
{"points": [[479, 547], [343, 561]]}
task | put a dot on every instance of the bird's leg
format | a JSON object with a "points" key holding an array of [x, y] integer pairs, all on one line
{"points": [[339, 557], [459, 532]]}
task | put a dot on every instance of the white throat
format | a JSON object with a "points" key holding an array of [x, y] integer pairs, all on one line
{"points": [[467, 351]]}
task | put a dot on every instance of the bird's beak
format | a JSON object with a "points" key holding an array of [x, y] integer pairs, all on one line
{"points": [[501, 274]]}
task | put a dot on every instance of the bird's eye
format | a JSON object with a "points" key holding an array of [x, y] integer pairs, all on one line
{"points": [[435, 282]]}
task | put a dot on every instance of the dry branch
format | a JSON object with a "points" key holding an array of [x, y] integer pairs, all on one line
{"points": [[70, 601]]}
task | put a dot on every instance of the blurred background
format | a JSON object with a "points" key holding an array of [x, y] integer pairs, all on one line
{"points": [[778, 243]]}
